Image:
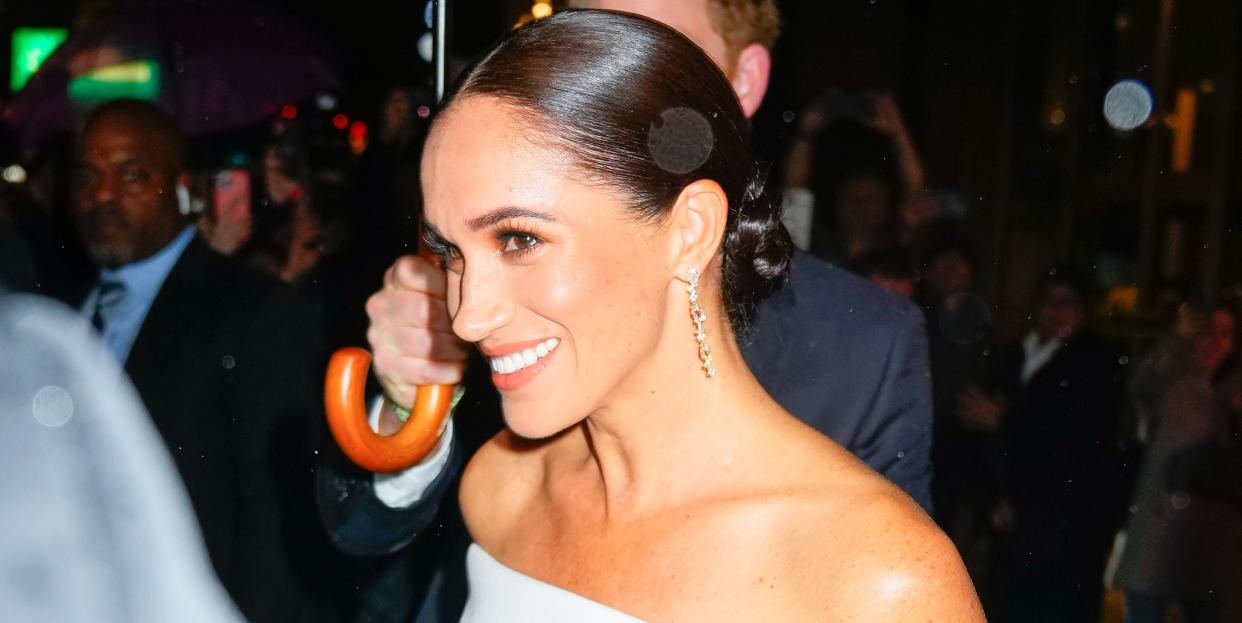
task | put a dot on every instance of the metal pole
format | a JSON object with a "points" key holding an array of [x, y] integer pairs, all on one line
{"points": [[1149, 207], [1223, 160], [441, 46]]}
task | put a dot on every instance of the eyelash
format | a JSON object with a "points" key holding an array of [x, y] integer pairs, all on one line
{"points": [[505, 237], [442, 250], [448, 253]]}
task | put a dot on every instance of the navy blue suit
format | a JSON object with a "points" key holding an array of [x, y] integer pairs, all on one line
{"points": [[842, 354]]}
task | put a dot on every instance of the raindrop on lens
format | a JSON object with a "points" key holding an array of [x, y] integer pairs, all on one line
{"points": [[1128, 105], [1180, 500], [52, 406], [682, 141]]}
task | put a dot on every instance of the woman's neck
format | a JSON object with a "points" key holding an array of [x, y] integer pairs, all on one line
{"points": [[642, 445]]}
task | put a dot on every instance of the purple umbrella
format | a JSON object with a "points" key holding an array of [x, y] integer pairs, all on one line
{"points": [[216, 67]]}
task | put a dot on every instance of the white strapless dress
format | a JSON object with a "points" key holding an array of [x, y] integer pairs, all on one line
{"points": [[500, 594]]}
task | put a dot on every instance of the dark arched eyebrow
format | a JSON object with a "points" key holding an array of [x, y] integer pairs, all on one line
{"points": [[500, 215]]}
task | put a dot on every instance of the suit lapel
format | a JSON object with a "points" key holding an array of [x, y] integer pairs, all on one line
{"points": [[176, 307]]}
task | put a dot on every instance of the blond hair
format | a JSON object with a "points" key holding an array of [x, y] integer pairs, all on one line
{"points": [[739, 22]]}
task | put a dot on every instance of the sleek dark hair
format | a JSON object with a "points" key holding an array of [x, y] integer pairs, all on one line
{"points": [[639, 108]]}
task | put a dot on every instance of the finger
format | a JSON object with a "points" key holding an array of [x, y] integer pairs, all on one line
{"points": [[418, 343], [406, 373], [416, 274], [409, 309]]}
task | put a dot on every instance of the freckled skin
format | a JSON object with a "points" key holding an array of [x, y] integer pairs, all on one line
{"points": [[651, 488], [578, 285]]}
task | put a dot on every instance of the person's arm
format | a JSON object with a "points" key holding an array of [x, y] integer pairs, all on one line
{"points": [[899, 429], [369, 513], [411, 337]]}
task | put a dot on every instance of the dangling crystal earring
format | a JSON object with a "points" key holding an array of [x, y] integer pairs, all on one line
{"points": [[698, 316]]}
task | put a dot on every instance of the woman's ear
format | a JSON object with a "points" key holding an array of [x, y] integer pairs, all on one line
{"points": [[697, 226]]}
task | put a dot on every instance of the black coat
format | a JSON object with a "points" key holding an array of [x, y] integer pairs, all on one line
{"points": [[229, 364]]}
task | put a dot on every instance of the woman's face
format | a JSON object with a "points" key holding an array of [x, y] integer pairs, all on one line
{"points": [[562, 289]]}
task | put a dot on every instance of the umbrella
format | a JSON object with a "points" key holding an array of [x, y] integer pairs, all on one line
{"points": [[213, 67]]}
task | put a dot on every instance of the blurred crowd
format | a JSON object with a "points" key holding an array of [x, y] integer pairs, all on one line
{"points": [[1070, 459]]}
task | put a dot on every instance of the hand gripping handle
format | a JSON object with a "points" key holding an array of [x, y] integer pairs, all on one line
{"points": [[344, 396]]}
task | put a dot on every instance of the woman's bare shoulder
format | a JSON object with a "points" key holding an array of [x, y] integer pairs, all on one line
{"points": [[883, 558], [500, 479]]}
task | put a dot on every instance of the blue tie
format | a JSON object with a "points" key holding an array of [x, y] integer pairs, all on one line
{"points": [[111, 293]]}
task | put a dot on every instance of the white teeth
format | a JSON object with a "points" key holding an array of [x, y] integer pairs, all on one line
{"points": [[516, 361]]}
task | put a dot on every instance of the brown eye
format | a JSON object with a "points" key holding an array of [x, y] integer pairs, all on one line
{"points": [[518, 242]]}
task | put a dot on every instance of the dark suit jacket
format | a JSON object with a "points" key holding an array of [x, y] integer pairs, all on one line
{"points": [[229, 364], [842, 354]]}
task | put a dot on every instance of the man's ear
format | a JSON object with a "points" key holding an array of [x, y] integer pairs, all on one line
{"points": [[750, 76], [697, 226]]}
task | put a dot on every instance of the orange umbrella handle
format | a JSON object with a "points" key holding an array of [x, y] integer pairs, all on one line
{"points": [[344, 394]]}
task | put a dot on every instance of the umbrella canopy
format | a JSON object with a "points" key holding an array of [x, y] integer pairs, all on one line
{"points": [[213, 67]]}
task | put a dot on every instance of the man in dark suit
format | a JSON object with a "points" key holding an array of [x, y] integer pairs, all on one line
{"points": [[227, 362]]}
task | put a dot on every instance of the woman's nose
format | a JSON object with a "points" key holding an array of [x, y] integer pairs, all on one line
{"points": [[483, 306]]}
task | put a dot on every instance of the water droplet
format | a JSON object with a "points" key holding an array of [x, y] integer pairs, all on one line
{"points": [[228, 362], [1180, 500], [682, 141], [52, 406]]}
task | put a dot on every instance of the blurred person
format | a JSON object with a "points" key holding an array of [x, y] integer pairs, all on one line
{"points": [[855, 179], [585, 507], [297, 224], [1184, 534], [857, 195], [843, 355], [227, 362], [961, 347], [95, 526], [1057, 412], [890, 269]]}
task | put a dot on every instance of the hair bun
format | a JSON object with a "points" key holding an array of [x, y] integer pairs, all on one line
{"points": [[757, 250]]}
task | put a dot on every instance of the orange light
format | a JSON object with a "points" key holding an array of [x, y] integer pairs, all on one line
{"points": [[1184, 129], [340, 121], [358, 137], [289, 111]]}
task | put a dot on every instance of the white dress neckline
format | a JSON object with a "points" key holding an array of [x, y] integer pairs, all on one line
{"points": [[498, 593]]}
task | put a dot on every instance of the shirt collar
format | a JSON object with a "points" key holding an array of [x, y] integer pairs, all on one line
{"points": [[145, 276]]}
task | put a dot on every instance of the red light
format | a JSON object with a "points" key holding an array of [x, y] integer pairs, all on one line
{"points": [[340, 121], [289, 111], [358, 130]]}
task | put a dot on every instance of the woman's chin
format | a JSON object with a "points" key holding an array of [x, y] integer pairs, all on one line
{"points": [[536, 424]]}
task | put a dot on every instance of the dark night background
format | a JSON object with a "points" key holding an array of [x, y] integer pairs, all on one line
{"points": [[1003, 99]]}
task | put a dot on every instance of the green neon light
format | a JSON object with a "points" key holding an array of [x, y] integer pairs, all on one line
{"points": [[30, 47], [133, 79]]}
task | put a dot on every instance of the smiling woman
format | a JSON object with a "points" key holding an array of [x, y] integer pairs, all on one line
{"points": [[592, 195]]}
